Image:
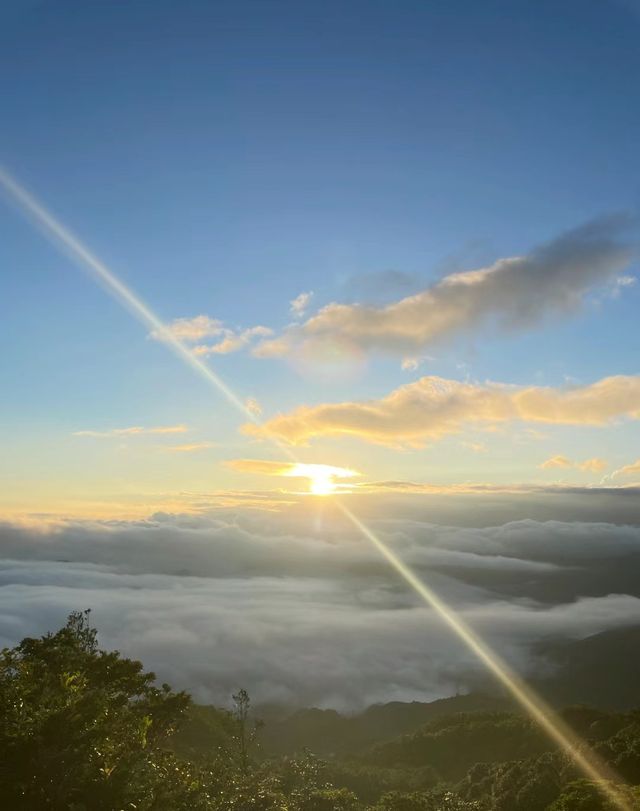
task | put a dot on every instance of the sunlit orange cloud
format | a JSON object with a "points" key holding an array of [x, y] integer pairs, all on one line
{"points": [[628, 470], [594, 465], [433, 407]]}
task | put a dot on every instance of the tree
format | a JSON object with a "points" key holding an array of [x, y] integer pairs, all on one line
{"points": [[583, 795], [81, 728], [425, 801], [246, 737]]}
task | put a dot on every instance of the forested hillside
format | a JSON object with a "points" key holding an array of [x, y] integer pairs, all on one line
{"points": [[82, 729]]}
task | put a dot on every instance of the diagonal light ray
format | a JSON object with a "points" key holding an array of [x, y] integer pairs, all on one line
{"points": [[584, 758], [571, 744], [88, 261]]}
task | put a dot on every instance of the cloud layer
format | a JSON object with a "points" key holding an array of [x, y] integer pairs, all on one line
{"points": [[432, 407], [514, 293], [297, 607]]}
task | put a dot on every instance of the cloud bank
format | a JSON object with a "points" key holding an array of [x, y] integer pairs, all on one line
{"points": [[297, 607]]}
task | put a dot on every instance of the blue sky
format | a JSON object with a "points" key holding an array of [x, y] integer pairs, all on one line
{"points": [[223, 158]]}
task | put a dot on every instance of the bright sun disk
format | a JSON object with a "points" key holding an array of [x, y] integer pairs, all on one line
{"points": [[322, 478]]}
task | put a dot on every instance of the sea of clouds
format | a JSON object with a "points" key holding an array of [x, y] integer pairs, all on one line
{"points": [[296, 606]]}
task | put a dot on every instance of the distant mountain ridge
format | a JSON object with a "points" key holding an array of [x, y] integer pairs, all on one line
{"points": [[602, 671], [327, 732]]}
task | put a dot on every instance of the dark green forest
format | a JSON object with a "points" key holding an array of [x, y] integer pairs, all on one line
{"points": [[82, 729]]}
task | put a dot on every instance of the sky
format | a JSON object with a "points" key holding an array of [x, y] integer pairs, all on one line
{"points": [[404, 236]]}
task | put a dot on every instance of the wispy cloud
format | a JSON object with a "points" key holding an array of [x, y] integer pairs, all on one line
{"points": [[433, 407], [556, 461], [494, 488], [232, 341], [193, 330], [299, 304], [190, 447], [621, 283], [515, 293], [628, 470], [594, 465], [253, 405], [410, 364], [135, 430]]}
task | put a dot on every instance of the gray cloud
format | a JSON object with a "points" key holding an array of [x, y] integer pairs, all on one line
{"points": [[513, 294]]}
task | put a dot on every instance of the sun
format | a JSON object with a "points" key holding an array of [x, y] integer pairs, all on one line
{"points": [[322, 478], [322, 484]]}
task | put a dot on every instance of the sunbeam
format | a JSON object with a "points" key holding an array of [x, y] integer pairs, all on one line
{"points": [[584, 758], [60, 235]]}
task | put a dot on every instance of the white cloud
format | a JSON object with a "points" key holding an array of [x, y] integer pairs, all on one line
{"points": [[622, 283], [513, 294], [299, 304], [192, 330], [433, 407], [232, 341]]}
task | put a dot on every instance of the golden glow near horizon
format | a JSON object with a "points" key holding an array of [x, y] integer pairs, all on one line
{"points": [[322, 478], [323, 482]]}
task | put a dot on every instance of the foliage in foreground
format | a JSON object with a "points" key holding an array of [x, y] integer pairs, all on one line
{"points": [[82, 729]]}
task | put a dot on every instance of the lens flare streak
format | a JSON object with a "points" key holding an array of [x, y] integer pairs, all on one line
{"points": [[82, 256], [539, 711], [584, 758]]}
